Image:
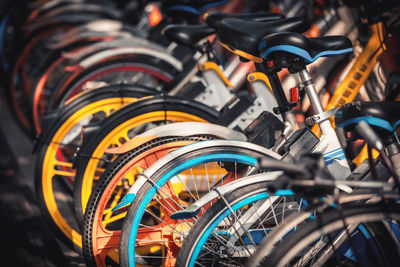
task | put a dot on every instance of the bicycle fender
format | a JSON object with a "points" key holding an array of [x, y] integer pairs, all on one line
{"points": [[130, 196], [126, 46], [178, 129], [83, 36], [129, 51]]}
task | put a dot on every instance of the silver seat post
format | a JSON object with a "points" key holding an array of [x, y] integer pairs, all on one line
{"points": [[306, 80], [310, 90], [329, 143]]}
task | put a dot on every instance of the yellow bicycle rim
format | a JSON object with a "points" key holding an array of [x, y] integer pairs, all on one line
{"points": [[51, 163]]}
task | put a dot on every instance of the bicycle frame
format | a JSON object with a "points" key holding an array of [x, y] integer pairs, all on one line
{"points": [[329, 143], [356, 77], [359, 72], [361, 69]]}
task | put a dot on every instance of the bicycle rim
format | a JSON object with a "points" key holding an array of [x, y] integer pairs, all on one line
{"points": [[56, 162]]}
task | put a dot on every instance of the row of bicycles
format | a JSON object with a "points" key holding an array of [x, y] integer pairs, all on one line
{"points": [[211, 132]]}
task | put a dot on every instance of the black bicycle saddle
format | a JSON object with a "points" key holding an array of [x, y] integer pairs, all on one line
{"points": [[310, 49], [187, 34], [243, 36], [213, 18]]}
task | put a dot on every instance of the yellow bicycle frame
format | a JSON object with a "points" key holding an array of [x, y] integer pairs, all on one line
{"points": [[209, 65], [358, 74]]}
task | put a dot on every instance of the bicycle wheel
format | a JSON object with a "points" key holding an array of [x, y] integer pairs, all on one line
{"points": [[121, 127], [178, 179], [359, 235], [141, 70], [54, 172], [43, 89], [48, 79], [229, 231], [102, 230], [21, 82]]}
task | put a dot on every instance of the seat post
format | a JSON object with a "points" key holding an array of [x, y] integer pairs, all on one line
{"points": [[310, 90], [308, 84], [284, 107], [337, 165], [278, 92]]}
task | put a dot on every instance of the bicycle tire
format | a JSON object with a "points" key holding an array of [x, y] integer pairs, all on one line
{"points": [[19, 87]]}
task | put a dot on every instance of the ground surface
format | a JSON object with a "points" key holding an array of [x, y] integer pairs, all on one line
{"points": [[25, 239]]}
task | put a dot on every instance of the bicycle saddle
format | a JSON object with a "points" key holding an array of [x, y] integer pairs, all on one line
{"points": [[187, 34], [243, 36], [213, 18], [188, 6], [382, 115], [310, 49]]}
